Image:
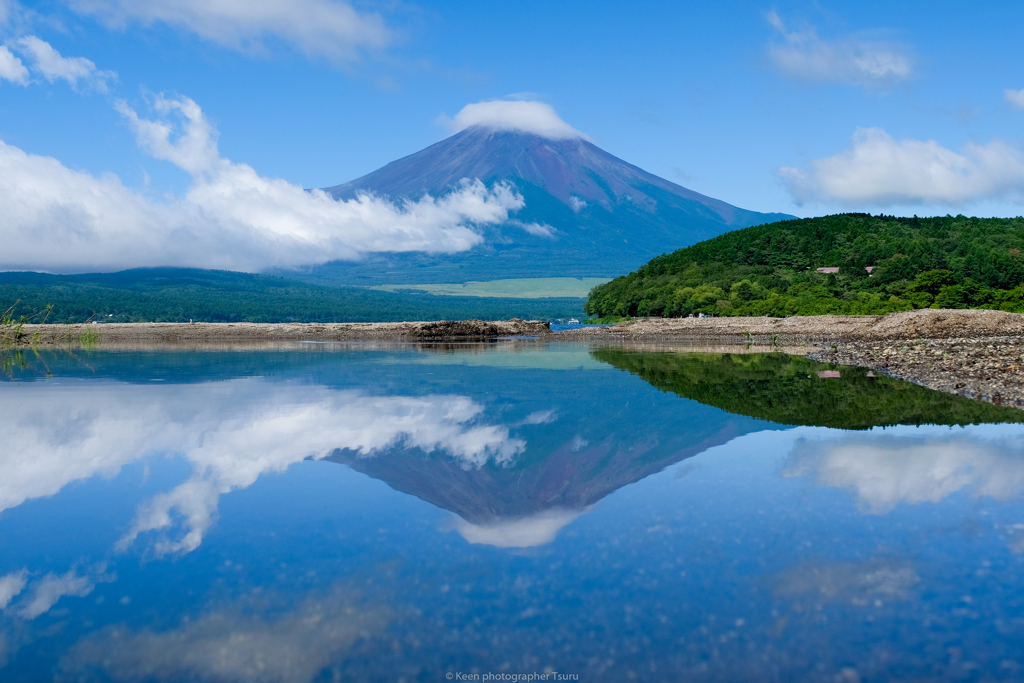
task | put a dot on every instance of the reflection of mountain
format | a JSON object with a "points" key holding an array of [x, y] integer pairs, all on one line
{"points": [[787, 390], [574, 476], [515, 444], [585, 437]]}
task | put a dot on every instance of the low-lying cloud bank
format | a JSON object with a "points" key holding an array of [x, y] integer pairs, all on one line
{"points": [[62, 220], [881, 171]]}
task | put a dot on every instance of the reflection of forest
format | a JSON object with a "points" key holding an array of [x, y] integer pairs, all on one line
{"points": [[788, 390]]}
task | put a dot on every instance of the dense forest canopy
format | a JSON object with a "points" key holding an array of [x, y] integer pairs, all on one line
{"points": [[941, 262], [183, 294]]}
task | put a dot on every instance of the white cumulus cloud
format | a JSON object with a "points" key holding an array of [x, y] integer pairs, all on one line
{"points": [[61, 220], [882, 171], [805, 56], [49, 63], [538, 229], [331, 29], [11, 68], [537, 118]]}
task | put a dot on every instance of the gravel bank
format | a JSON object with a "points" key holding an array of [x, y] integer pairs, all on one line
{"points": [[822, 329], [215, 333], [990, 369]]}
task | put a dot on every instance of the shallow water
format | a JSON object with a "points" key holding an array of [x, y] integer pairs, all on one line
{"points": [[344, 512]]}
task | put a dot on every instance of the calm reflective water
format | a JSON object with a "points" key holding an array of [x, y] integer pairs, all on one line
{"points": [[334, 512]]}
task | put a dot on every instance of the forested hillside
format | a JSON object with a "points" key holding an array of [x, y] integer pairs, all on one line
{"points": [[179, 294], [942, 262]]}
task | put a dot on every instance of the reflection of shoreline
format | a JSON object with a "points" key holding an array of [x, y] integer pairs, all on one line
{"points": [[797, 391]]}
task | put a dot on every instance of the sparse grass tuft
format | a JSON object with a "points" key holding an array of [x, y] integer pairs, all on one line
{"points": [[88, 338]]}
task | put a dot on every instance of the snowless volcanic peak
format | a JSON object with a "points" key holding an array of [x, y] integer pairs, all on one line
{"points": [[587, 212], [573, 170]]}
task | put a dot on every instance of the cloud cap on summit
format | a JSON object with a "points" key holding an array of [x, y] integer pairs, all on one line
{"points": [[536, 118]]}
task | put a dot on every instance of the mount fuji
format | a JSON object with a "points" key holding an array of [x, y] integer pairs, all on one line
{"points": [[587, 213]]}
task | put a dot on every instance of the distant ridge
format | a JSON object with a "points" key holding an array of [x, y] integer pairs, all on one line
{"points": [[588, 213]]}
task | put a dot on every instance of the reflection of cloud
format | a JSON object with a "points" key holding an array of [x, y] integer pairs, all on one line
{"points": [[53, 587], [884, 470], [241, 643], [524, 532], [232, 432], [858, 582], [10, 586], [1015, 540], [53, 436], [235, 453]]}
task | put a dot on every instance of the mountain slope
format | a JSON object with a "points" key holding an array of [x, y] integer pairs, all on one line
{"points": [[587, 213]]}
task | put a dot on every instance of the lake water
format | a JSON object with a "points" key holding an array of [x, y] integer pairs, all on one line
{"points": [[343, 512]]}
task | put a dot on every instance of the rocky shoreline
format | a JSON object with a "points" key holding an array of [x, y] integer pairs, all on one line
{"points": [[974, 353], [990, 369]]}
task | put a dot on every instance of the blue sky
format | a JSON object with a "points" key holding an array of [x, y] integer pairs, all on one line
{"points": [[801, 107]]}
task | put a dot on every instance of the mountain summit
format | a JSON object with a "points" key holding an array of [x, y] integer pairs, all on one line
{"points": [[587, 212]]}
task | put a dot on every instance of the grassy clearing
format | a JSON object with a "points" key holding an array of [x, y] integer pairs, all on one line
{"points": [[523, 288]]}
